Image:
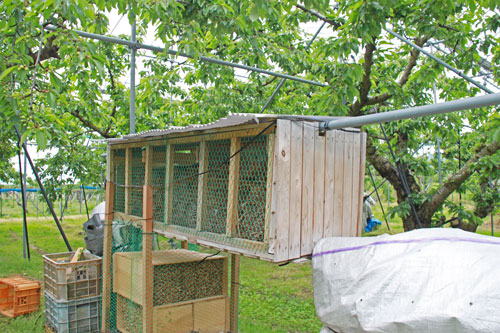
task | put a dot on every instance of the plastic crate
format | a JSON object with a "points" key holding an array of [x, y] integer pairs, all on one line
{"points": [[67, 281], [77, 316], [18, 296]]}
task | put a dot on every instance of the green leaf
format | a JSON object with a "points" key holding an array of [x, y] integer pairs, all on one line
{"points": [[7, 72], [24, 136], [41, 140], [52, 99], [254, 14]]}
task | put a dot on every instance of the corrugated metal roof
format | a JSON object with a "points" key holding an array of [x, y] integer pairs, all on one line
{"points": [[234, 119]]}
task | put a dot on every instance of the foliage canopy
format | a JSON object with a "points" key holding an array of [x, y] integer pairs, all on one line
{"points": [[63, 90]]}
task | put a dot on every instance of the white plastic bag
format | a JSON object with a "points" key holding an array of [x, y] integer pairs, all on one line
{"points": [[427, 280]]}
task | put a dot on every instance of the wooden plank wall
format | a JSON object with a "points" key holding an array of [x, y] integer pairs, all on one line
{"points": [[317, 187]]}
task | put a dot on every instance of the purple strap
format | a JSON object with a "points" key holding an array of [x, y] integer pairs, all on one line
{"points": [[408, 241]]}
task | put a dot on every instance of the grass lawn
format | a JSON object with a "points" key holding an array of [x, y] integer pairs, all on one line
{"points": [[272, 298]]}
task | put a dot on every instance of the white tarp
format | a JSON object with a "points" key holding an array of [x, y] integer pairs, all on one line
{"points": [[427, 280]]}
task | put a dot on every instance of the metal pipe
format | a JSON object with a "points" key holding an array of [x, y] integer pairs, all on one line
{"points": [[25, 226], [492, 223], [414, 112], [433, 57], [42, 188], [182, 54], [485, 64], [438, 148], [377, 187], [133, 50], [278, 87], [378, 197], [437, 137], [26, 246], [402, 176], [86, 205]]}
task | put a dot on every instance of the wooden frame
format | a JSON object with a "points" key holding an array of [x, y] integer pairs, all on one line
{"points": [[313, 188]]}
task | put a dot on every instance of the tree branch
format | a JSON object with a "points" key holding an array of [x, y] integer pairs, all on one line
{"points": [[412, 62], [333, 23], [87, 123], [112, 79], [366, 82], [454, 181], [48, 51]]}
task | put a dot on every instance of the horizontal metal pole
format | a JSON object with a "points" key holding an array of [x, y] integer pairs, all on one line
{"points": [[182, 54], [414, 112], [445, 64]]}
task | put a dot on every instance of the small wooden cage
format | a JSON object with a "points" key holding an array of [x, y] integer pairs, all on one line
{"points": [[189, 291], [265, 186]]}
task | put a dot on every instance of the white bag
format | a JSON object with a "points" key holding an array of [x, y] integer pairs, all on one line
{"points": [[427, 280]]}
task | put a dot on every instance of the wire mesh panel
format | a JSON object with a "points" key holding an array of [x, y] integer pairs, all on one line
{"points": [[216, 189], [252, 188], [187, 281], [158, 182], [119, 179], [184, 186], [128, 315], [184, 284], [137, 182], [126, 238]]}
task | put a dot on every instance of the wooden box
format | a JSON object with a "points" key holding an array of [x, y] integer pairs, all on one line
{"points": [[189, 291], [265, 186]]}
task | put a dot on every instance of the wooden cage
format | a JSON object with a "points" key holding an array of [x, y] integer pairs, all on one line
{"points": [[190, 291], [263, 186]]}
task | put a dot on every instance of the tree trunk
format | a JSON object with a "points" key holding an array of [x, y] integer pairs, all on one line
{"points": [[426, 210]]}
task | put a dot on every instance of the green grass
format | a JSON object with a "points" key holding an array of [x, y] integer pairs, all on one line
{"points": [[43, 238], [276, 298], [272, 298]]}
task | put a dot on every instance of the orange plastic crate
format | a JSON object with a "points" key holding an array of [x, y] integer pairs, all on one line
{"points": [[18, 296]]}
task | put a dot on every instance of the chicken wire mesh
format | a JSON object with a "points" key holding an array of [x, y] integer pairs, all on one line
{"points": [[252, 189], [119, 179], [126, 238], [192, 189], [136, 182], [158, 179], [183, 186], [214, 214]]}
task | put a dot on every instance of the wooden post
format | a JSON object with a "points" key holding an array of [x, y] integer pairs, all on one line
{"points": [[106, 257], [147, 245], [128, 180], [296, 163], [184, 244], [235, 291], [361, 182], [169, 183], [202, 184], [282, 216], [306, 227], [269, 177], [232, 195]]}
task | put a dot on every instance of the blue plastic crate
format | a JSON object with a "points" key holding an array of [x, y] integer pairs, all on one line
{"points": [[77, 316]]}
